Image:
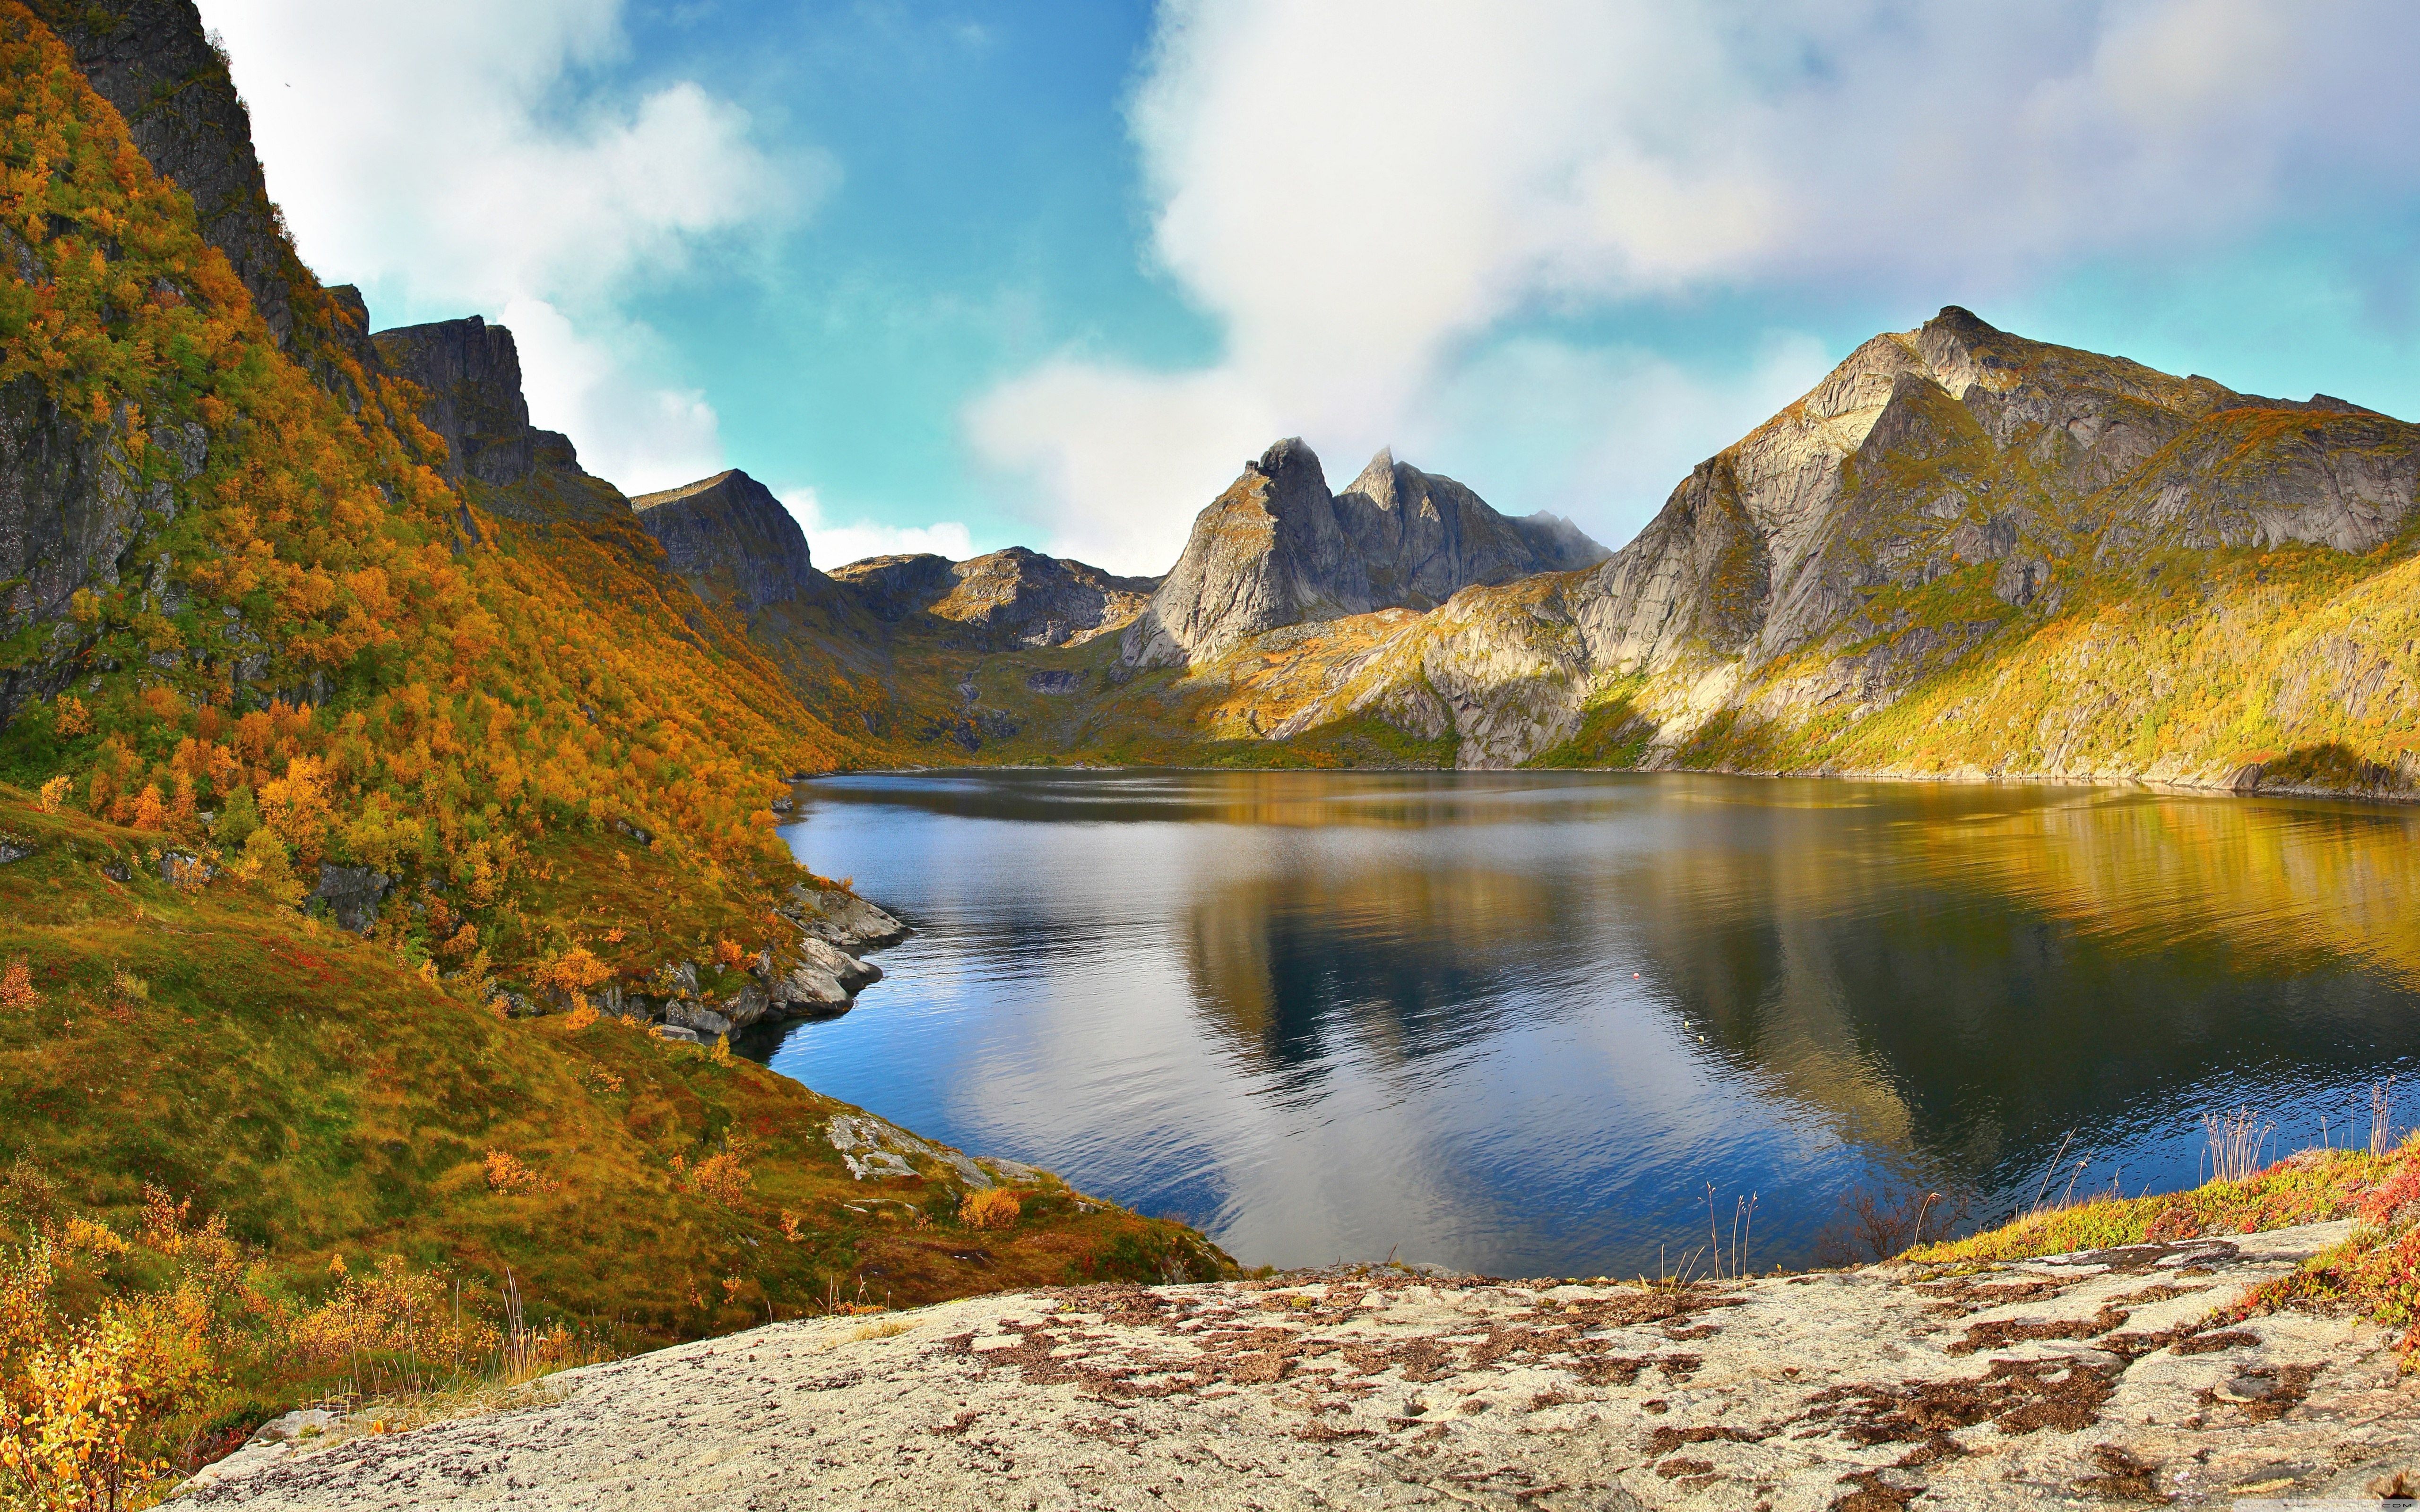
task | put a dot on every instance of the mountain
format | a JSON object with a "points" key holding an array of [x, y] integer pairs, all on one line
{"points": [[733, 541], [1964, 552], [1277, 548], [1014, 597]]}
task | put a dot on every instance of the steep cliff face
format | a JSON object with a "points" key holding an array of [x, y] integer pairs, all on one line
{"points": [[470, 372], [152, 60], [1277, 548], [468, 375], [1006, 599], [1944, 492], [733, 542]]}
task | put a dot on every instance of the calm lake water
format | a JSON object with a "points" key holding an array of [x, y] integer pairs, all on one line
{"points": [[1516, 1022]]}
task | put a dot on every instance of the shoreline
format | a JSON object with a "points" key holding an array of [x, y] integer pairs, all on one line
{"points": [[2182, 787]]}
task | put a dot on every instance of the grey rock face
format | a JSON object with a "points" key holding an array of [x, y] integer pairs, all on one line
{"points": [[729, 536], [73, 508], [1424, 538], [153, 60], [1003, 600], [1278, 548], [472, 372], [352, 895]]}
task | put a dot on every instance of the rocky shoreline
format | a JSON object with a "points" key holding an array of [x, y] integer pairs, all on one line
{"points": [[819, 978], [834, 927], [2108, 1376]]}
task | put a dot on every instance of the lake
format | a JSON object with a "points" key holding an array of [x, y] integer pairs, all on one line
{"points": [[1516, 1022]]}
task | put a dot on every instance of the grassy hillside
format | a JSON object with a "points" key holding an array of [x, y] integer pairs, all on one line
{"points": [[217, 1105]]}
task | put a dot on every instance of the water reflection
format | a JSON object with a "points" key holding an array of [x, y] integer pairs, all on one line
{"points": [[1514, 1022]]}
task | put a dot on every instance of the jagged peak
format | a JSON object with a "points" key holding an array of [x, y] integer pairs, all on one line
{"points": [[1379, 481], [1284, 457]]}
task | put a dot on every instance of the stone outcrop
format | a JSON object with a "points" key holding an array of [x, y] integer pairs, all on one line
{"points": [[2085, 1378], [1001, 601], [1277, 548], [733, 541], [472, 374], [819, 977], [351, 895]]}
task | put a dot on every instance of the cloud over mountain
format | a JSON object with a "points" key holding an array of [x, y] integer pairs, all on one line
{"points": [[1365, 194]]}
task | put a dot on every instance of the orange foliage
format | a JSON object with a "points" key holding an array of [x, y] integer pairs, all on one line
{"points": [[17, 990], [995, 1209], [416, 695]]}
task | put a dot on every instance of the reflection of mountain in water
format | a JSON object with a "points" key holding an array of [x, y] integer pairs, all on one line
{"points": [[1408, 961], [1287, 801], [1965, 988]]}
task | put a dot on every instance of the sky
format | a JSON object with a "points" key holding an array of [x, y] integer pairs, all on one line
{"points": [[954, 277]]}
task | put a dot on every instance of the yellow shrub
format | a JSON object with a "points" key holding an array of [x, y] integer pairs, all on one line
{"points": [[391, 1308], [96, 1240], [995, 1209], [55, 793], [722, 1177], [506, 1173], [581, 1015]]}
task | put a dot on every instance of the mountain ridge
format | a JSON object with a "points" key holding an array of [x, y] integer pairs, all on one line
{"points": [[1278, 548]]}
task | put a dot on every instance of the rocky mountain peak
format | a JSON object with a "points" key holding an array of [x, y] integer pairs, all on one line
{"points": [[1278, 548], [732, 540], [1014, 597], [472, 374]]}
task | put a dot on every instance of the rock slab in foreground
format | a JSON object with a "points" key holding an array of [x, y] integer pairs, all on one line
{"points": [[2091, 1379]]}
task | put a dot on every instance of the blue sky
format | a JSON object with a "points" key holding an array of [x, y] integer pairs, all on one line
{"points": [[954, 277]]}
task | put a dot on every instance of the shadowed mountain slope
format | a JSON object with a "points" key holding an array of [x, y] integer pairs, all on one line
{"points": [[733, 542]]}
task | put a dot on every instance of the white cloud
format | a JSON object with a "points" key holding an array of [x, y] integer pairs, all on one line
{"points": [[831, 544], [1360, 191], [453, 156], [1598, 434], [1124, 458], [641, 435]]}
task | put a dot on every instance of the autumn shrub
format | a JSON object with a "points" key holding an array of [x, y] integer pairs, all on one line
{"points": [[729, 953], [268, 865], [508, 1174], [570, 972], [17, 990], [723, 1176], [392, 1309], [997, 1208], [55, 793], [70, 1424], [582, 1014]]}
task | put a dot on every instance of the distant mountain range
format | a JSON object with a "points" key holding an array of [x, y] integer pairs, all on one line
{"points": [[1963, 553]]}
